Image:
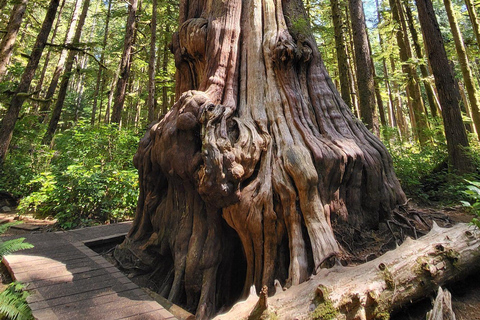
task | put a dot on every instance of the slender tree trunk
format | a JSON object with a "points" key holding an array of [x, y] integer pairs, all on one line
{"points": [[119, 96], [21, 93], [418, 116], [386, 80], [365, 80], [352, 64], [80, 86], [151, 64], [38, 88], [62, 92], [244, 179], [8, 40], [449, 95], [342, 60], [165, 101], [378, 95], [464, 64], [472, 13], [111, 94], [99, 83], [432, 101], [60, 68]]}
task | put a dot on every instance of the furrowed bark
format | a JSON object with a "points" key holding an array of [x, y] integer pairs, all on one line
{"points": [[242, 180]]}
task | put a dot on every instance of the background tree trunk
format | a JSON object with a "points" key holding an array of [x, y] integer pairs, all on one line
{"points": [[59, 70], [418, 116], [449, 96], [243, 181], [119, 95], [99, 82], [62, 91], [472, 13], [8, 122], [39, 85], [340, 48], [364, 67], [151, 64], [432, 101], [464, 65], [8, 40]]}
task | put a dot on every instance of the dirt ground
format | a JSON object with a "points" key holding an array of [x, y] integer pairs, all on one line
{"points": [[465, 292]]}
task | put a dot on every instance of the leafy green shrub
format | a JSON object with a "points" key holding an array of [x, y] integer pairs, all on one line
{"points": [[473, 193], [424, 174], [88, 177], [25, 159]]}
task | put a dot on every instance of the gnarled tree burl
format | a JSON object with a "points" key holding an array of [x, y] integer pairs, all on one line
{"points": [[241, 181]]}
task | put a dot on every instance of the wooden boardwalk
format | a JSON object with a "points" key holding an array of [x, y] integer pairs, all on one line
{"points": [[68, 280]]}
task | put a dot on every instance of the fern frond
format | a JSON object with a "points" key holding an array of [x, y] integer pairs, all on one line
{"points": [[4, 227], [13, 304], [13, 245]]}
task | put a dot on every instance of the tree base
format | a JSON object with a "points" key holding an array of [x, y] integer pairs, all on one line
{"points": [[374, 289]]}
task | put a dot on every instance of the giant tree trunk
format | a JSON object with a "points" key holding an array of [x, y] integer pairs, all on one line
{"points": [[7, 125], [243, 181]]}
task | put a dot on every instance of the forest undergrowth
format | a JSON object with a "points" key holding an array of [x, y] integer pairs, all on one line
{"points": [[87, 176]]}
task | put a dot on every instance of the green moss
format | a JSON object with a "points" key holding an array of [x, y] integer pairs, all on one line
{"points": [[382, 316], [325, 311], [388, 277], [300, 26], [452, 255]]}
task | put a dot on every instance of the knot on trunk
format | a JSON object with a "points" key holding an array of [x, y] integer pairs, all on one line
{"points": [[193, 35], [231, 147], [192, 103], [289, 51]]}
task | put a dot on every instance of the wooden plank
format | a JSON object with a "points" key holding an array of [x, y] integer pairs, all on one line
{"points": [[26, 227], [70, 281]]}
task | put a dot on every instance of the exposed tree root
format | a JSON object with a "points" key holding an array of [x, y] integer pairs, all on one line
{"points": [[374, 289]]}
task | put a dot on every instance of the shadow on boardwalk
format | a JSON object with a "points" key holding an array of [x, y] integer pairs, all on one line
{"points": [[68, 280]]}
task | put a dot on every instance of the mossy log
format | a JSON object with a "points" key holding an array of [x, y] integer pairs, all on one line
{"points": [[375, 289]]}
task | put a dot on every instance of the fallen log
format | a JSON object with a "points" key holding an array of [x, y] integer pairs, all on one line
{"points": [[374, 289]]}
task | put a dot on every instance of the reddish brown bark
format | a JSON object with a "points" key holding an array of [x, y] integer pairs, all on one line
{"points": [[8, 40], [244, 179]]}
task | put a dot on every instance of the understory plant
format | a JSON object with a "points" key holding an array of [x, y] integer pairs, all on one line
{"points": [[87, 177], [473, 193], [13, 304], [424, 174]]}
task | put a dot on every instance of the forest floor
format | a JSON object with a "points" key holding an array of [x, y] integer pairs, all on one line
{"points": [[465, 292]]}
